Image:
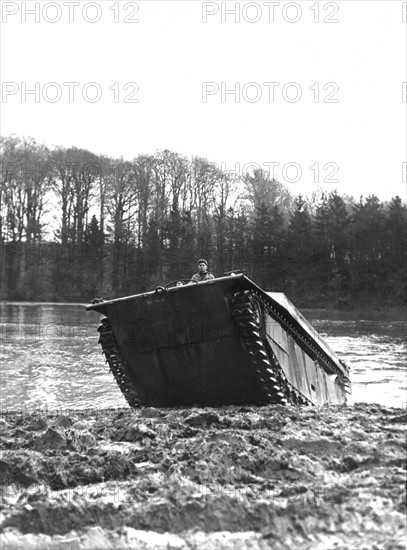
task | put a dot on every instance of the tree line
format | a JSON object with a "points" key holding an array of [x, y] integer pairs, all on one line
{"points": [[75, 225]]}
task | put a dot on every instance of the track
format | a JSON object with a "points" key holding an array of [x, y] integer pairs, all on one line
{"points": [[247, 313], [117, 364]]}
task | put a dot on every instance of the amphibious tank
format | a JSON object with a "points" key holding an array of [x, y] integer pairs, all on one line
{"points": [[219, 342]]}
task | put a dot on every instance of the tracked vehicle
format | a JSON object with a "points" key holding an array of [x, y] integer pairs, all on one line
{"points": [[219, 342]]}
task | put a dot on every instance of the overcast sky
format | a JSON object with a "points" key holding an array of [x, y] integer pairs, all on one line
{"points": [[317, 84]]}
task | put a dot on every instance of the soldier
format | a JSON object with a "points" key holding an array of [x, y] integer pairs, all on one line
{"points": [[203, 273]]}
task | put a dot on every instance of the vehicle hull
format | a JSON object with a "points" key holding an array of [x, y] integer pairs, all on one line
{"points": [[221, 342]]}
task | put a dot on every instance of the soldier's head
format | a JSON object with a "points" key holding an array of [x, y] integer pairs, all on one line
{"points": [[202, 265]]}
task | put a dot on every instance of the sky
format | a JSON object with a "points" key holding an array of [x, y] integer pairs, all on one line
{"points": [[311, 91]]}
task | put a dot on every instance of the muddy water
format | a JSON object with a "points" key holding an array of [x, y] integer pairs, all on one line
{"points": [[49, 357], [375, 351]]}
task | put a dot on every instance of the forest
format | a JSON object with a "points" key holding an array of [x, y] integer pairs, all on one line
{"points": [[75, 225]]}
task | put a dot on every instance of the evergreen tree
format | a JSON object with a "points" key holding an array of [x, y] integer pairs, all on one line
{"points": [[93, 251], [299, 251], [367, 270], [322, 245], [338, 234], [187, 261], [394, 251], [153, 256]]}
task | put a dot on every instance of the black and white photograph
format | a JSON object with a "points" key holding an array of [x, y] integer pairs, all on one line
{"points": [[203, 275]]}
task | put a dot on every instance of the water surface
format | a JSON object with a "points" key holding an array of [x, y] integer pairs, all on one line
{"points": [[50, 358]]}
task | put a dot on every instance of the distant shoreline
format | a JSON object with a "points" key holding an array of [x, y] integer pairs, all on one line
{"points": [[359, 312]]}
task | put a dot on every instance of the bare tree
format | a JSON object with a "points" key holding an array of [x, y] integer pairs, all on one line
{"points": [[23, 190]]}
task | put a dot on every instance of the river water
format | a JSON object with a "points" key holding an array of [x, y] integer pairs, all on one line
{"points": [[50, 358]]}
